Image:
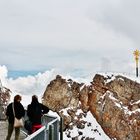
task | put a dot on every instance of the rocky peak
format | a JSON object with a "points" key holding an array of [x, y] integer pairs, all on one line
{"points": [[61, 93], [113, 100], [116, 106]]}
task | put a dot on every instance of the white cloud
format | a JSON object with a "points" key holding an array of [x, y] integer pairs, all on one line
{"points": [[32, 84], [28, 85]]}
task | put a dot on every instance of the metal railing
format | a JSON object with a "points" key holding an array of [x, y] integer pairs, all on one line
{"points": [[49, 131]]}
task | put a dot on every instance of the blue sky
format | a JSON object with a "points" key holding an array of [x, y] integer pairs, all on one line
{"points": [[15, 74], [69, 35]]}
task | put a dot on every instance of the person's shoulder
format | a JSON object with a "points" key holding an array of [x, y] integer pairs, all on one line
{"points": [[44, 106], [19, 103], [10, 104], [41, 104]]}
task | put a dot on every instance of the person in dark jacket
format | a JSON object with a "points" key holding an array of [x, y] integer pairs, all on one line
{"points": [[35, 111], [19, 113]]}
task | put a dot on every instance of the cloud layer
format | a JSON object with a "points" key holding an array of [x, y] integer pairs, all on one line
{"points": [[69, 35], [33, 84]]}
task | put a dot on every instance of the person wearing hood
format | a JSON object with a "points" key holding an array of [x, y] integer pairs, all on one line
{"points": [[35, 111]]}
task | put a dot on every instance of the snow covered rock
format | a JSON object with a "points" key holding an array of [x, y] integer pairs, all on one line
{"points": [[113, 100], [115, 103]]}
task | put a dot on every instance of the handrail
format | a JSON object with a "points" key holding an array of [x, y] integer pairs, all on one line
{"points": [[35, 133], [50, 123], [50, 129]]}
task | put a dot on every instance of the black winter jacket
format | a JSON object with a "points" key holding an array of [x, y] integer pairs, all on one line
{"points": [[35, 110], [19, 111]]}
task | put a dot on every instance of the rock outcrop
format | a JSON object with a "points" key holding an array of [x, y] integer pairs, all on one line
{"points": [[60, 94], [4, 100], [113, 100], [115, 103]]}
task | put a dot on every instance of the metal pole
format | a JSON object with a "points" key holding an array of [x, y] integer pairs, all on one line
{"points": [[51, 133], [61, 128], [137, 59], [137, 72], [136, 54]]}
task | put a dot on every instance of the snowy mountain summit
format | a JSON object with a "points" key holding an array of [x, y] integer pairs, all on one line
{"points": [[114, 101]]}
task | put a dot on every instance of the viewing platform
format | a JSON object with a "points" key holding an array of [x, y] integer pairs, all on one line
{"points": [[3, 131], [51, 130]]}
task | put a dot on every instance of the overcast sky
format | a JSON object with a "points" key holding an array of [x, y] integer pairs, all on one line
{"points": [[87, 35]]}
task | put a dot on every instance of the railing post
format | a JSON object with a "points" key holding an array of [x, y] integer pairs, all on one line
{"points": [[45, 134], [56, 130], [51, 133], [61, 128]]}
